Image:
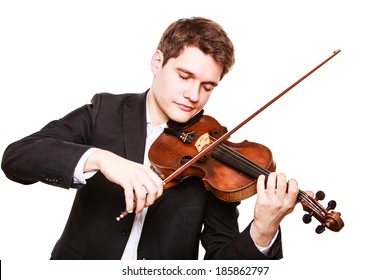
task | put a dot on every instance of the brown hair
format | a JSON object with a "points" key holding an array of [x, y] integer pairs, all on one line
{"points": [[199, 32]]}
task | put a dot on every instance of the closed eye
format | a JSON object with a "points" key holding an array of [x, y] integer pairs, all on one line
{"points": [[208, 87], [184, 76]]}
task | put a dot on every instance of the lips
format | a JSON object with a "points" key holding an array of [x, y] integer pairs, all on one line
{"points": [[185, 107]]}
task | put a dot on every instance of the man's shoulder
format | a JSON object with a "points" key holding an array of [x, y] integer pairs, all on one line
{"points": [[114, 98]]}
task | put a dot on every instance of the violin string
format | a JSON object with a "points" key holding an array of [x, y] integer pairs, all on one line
{"points": [[305, 197], [302, 196], [242, 159], [257, 169]]}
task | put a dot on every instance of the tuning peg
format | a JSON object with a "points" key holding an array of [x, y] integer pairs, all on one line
{"points": [[320, 195], [320, 229], [331, 205], [307, 217]]}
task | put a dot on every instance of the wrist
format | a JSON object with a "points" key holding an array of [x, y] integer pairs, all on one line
{"points": [[93, 162], [262, 236]]}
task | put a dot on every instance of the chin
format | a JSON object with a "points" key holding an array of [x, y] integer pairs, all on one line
{"points": [[181, 117]]}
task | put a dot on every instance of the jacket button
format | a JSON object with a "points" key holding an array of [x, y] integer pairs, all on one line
{"points": [[57, 180], [54, 180]]}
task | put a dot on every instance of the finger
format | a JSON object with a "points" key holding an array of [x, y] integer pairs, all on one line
{"points": [[261, 184], [281, 184], [293, 190], [140, 198], [151, 194], [153, 184], [271, 182], [310, 193], [157, 181], [153, 190], [129, 199]]}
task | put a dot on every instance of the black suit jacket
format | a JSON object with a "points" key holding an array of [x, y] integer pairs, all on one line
{"points": [[174, 224]]}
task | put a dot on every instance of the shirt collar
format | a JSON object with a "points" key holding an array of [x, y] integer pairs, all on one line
{"points": [[149, 120]]}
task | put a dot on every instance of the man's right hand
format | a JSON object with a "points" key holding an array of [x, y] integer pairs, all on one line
{"points": [[141, 185]]}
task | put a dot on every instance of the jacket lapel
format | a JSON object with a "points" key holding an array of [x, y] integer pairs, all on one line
{"points": [[134, 127], [134, 131]]}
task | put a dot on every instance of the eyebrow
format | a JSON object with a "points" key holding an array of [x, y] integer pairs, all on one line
{"points": [[214, 84]]}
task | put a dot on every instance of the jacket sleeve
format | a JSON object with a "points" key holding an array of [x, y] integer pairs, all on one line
{"points": [[51, 154], [222, 240]]}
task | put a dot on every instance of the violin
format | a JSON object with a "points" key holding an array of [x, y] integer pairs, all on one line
{"points": [[229, 170]]}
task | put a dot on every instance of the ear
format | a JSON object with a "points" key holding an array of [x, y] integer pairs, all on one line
{"points": [[157, 61]]}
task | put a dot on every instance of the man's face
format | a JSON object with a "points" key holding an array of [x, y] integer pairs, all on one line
{"points": [[183, 86]]}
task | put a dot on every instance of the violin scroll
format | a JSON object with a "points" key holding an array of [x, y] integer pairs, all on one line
{"points": [[328, 219]]}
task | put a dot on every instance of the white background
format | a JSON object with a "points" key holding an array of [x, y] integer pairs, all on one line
{"points": [[330, 132]]}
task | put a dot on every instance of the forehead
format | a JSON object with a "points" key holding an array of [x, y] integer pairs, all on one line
{"points": [[194, 61]]}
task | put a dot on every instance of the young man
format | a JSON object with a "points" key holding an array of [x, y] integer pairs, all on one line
{"points": [[101, 149]]}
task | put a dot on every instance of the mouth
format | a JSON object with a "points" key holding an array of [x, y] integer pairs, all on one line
{"points": [[184, 107]]}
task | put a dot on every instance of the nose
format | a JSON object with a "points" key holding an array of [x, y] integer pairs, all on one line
{"points": [[192, 93]]}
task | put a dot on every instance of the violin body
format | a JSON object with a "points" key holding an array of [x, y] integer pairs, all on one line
{"points": [[230, 170], [226, 181]]}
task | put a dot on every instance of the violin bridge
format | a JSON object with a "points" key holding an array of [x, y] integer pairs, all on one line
{"points": [[202, 141]]}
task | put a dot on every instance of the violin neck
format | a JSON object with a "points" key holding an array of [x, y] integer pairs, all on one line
{"points": [[234, 159]]}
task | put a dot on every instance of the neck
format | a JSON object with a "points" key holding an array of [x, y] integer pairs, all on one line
{"points": [[155, 114]]}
